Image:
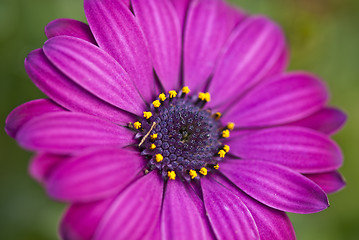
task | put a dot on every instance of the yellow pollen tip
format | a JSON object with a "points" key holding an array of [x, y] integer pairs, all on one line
{"points": [[154, 136], [216, 166], [156, 103], [226, 148], [159, 158], [172, 94], [203, 171], [202, 96], [207, 97], [225, 133], [218, 115], [137, 125], [147, 115], [230, 126], [185, 90], [162, 97], [192, 173], [171, 175], [222, 153], [153, 146]]}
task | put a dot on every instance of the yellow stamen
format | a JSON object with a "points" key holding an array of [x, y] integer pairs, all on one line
{"points": [[156, 103], [222, 153], [159, 158], [185, 90], [203, 171], [202, 96], [172, 93], [147, 115], [192, 173], [216, 166], [154, 136], [226, 148], [162, 97], [225, 133], [171, 175], [153, 146], [137, 125], [218, 115], [207, 97], [230, 126]]}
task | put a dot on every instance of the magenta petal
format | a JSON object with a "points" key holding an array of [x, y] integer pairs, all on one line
{"points": [[301, 149], [160, 24], [183, 215], [181, 7], [327, 120], [23, 113], [276, 186], [229, 217], [117, 32], [81, 220], [94, 70], [250, 54], [43, 164], [209, 23], [67, 132], [282, 99], [67, 93], [69, 27], [330, 182], [136, 211], [94, 175]]}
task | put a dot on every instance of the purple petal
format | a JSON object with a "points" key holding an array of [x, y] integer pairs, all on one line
{"points": [[67, 93], [330, 182], [229, 217], [252, 51], [67, 132], [276, 186], [136, 211], [23, 113], [43, 164], [209, 23], [282, 99], [69, 27], [160, 24], [271, 223], [94, 70], [181, 7], [327, 120], [95, 175], [81, 220], [301, 149], [183, 215], [117, 32]]}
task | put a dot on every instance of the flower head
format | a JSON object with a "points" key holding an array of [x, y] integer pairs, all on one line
{"points": [[175, 120]]}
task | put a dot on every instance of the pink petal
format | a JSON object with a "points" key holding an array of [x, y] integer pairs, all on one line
{"points": [[250, 54], [67, 132], [330, 182], [160, 24], [209, 23], [67, 93], [136, 211], [69, 27], [327, 120], [23, 113], [181, 7], [276, 186], [283, 99], [43, 164], [81, 220], [95, 175], [94, 70], [228, 215], [183, 215], [301, 149], [117, 32]]}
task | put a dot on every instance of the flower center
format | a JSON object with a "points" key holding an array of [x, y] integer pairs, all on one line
{"points": [[181, 138]]}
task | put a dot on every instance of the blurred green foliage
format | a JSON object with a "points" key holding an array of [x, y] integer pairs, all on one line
{"points": [[323, 36]]}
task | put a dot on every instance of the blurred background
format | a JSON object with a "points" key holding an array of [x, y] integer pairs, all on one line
{"points": [[323, 36]]}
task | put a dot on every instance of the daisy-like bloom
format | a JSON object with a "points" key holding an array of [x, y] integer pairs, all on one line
{"points": [[176, 120]]}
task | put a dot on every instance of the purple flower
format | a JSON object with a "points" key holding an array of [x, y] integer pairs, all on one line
{"points": [[176, 120]]}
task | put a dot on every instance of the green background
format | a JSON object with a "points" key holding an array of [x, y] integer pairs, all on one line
{"points": [[323, 36]]}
